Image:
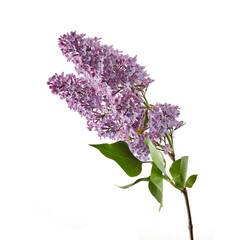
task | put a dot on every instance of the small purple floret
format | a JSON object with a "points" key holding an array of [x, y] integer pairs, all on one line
{"points": [[167, 149]]}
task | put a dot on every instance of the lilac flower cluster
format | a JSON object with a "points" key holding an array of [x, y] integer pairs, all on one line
{"points": [[110, 93], [112, 67], [163, 118], [162, 121]]}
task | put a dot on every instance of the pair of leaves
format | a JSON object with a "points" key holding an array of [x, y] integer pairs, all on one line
{"points": [[178, 170], [121, 154]]}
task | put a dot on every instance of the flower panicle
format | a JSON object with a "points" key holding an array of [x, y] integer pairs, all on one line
{"points": [[108, 92]]}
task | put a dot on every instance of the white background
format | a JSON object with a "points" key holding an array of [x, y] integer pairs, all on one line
{"points": [[53, 185]]}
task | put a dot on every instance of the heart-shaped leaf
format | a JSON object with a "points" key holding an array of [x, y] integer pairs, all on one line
{"points": [[121, 154]]}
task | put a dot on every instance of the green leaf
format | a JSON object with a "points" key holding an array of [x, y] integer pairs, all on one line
{"points": [[121, 154], [137, 181], [175, 172], [156, 155], [183, 168], [178, 171], [157, 194], [156, 178], [145, 119], [191, 180]]}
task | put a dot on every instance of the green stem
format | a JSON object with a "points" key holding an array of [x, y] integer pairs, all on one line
{"points": [[145, 99], [170, 141], [172, 154], [167, 178]]}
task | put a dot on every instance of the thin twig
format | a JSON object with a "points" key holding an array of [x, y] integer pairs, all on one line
{"points": [[190, 225]]}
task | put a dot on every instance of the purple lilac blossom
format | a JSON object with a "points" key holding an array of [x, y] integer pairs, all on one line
{"points": [[108, 93], [90, 57], [167, 149], [162, 120], [108, 90]]}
